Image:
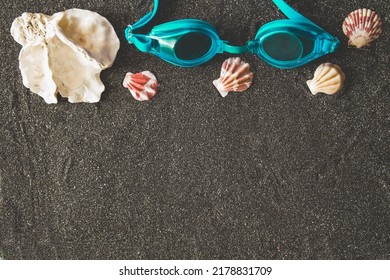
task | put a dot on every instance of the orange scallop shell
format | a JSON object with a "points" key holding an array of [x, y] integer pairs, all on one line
{"points": [[143, 86], [235, 76]]}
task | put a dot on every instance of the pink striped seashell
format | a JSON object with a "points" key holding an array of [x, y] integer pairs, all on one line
{"points": [[362, 27], [143, 86], [235, 76]]}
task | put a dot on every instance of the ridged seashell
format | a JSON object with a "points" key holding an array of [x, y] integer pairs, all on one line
{"points": [[362, 27], [235, 76], [65, 53], [328, 79], [143, 86]]}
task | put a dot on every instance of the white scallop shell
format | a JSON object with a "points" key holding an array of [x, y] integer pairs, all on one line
{"points": [[65, 53], [328, 79], [235, 76], [362, 27]]}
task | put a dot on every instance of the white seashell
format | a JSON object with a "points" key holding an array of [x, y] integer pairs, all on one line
{"points": [[65, 53], [235, 76], [328, 79], [362, 27], [30, 28], [143, 86], [89, 32]]}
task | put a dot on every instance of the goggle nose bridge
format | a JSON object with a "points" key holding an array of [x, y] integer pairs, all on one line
{"points": [[250, 46]]}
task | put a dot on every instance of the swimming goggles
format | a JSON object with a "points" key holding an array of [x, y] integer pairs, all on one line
{"points": [[284, 43]]}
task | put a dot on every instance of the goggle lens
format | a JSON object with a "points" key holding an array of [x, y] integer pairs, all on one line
{"points": [[283, 47], [192, 45]]}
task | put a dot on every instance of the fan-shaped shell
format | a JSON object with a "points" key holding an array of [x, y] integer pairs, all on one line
{"points": [[143, 86], [328, 79], [235, 76], [362, 27]]}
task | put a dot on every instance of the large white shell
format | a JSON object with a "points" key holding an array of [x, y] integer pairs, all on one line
{"points": [[235, 76], [328, 79], [65, 53], [362, 27]]}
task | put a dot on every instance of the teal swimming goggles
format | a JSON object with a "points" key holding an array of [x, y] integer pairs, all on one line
{"points": [[284, 43]]}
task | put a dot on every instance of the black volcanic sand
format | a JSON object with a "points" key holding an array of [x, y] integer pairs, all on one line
{"points": [[273, 173]]}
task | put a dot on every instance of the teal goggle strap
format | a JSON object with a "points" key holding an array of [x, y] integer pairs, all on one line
{"points": [[283, 6], [141, 41], [291, 13]]}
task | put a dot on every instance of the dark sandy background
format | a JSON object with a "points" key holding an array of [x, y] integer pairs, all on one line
{"points": [[273, 173]]}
